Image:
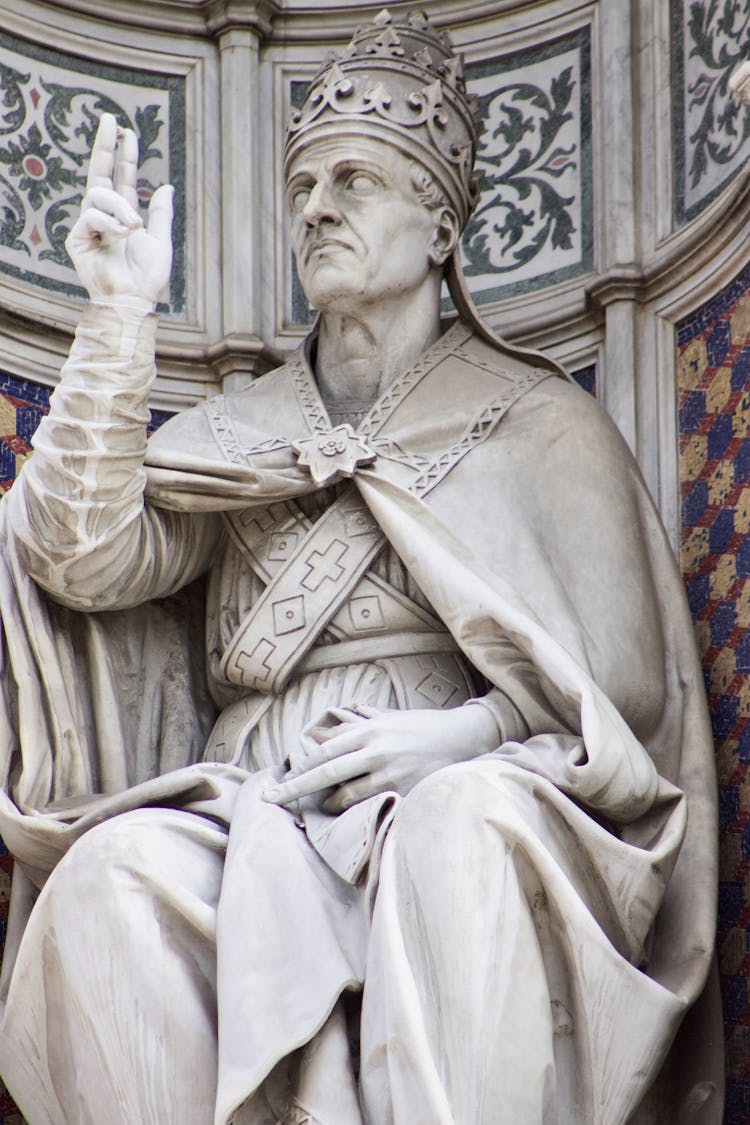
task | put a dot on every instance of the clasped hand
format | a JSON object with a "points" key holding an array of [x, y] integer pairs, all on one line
{"points": [[117, 258], [364, 751]]}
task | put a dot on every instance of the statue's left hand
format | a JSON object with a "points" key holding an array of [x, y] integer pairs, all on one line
{"points": [[374, 751]]}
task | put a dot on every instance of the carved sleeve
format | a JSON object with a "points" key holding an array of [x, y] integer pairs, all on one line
{"points": [[511, 725], [78, 514]]}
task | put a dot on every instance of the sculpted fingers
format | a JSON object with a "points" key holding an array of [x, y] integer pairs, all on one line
{"points": [[332, 744], [325, 776], [126, 167], [102, 160], [107, 200], [346, 718], [352, 793], [160, 213]]}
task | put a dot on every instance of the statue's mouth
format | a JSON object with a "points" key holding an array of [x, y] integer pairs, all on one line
{"points": [[325, 245]]}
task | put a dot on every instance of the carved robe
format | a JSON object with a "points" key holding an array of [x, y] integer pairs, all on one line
{"points": [[516, 940]]}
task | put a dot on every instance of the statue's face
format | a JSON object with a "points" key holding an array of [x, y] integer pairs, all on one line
{"points": [[359, 233]]}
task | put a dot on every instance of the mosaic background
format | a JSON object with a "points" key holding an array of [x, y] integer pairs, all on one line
{"points": [[714, 404], [711, 132], [50, 105]]}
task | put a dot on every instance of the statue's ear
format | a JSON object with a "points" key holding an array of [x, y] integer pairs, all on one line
{"points": [[446, 235]]}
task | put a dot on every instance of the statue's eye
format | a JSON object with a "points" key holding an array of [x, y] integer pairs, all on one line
{"points": [[298, 200], [361, 182]]}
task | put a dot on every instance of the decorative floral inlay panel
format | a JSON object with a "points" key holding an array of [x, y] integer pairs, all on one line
{"points": [[533, 225], [50, 104], [711, 131]]}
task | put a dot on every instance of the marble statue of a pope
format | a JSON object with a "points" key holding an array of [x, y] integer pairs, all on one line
{"points": [[354, 751]]}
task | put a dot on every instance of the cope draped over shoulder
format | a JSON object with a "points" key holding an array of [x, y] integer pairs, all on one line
{"points": [[516, 510]]}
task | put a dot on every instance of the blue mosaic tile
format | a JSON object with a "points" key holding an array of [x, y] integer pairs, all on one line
{"points": [[743, 753], [742, 658], [7, 463], [741, 370], [722, 624], [729, 801], [158, 418], [743, 560], [586, 378], [731, 905], [29, 392], [737, 1110], [717, 344], [692, 412], [719, 437], [721, 532], [742, 464], [723, 718], [27, 420], [698, 593], [695, 503]]}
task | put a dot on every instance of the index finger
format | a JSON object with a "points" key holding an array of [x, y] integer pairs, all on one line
{"points": [[102, 160], [126, 167], [320, 777]]}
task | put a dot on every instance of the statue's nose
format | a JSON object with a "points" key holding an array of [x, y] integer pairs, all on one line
{"points": [[320, 207]]}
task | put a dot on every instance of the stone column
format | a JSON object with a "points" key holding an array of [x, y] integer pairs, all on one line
{"points": [[239, 26], [621, 251]]}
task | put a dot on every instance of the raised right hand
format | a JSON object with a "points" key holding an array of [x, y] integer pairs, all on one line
{"points": [[117, 258]]}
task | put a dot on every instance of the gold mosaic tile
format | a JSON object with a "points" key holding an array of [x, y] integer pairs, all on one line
{"points": [[691, 364], [723, 577], [740, 321], [693, 457], [717, 394]]}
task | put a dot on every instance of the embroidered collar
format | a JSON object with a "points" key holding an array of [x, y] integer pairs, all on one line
{"points": [[313, 408]]}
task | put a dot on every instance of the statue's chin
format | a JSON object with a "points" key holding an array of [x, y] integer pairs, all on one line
{"points": [[330, 281]]}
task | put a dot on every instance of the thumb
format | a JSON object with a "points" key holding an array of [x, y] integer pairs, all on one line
{"points": [[160, 213]]}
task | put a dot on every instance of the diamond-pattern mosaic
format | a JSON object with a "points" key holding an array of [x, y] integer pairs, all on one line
{"points": [[714, 403]]}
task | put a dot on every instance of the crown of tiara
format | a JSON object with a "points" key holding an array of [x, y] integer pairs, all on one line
{"points": [[399, 81]]}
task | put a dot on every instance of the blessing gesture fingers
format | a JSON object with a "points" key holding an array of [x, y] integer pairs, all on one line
{"points": [[117, 258]]}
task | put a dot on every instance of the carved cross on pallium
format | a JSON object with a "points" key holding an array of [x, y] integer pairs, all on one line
{"points": [[247, 663], [325, 565]]}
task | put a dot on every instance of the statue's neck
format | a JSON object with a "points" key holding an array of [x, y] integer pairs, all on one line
{"points": [[361, 352]]}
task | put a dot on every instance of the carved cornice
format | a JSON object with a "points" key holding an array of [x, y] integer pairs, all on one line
{"points": [[276, 20], [230, 15], [202, 18], [720, 231], [239, 354]]}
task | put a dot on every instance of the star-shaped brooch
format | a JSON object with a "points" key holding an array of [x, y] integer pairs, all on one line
{"points": [[335, 453]]}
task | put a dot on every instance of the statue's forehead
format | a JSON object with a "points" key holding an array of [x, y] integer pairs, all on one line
{"points": [[325, 153]]}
